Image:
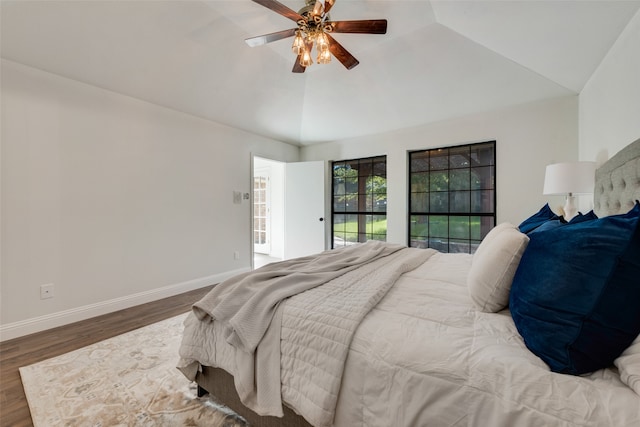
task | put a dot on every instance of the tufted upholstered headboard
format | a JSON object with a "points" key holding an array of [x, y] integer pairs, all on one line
{"points": [[617, 184]]}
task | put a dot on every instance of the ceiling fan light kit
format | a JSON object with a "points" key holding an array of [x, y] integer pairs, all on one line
{"points": [[314, 26]]}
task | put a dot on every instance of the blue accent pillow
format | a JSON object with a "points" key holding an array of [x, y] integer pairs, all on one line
{"points": [[559, 221], [549, 225], [589, 216], [576, 292], [536, 220]]}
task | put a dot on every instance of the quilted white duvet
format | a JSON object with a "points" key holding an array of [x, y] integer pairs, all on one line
{"points": [[423, 356]]}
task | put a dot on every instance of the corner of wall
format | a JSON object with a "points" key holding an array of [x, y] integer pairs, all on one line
{"points": [[609, 104]]}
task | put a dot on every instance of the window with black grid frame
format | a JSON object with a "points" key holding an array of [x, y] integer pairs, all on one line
{"points": [[452, 196], [359, 208]]}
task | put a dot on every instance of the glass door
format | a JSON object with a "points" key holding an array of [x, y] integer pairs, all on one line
{"points": [[261, 209]]}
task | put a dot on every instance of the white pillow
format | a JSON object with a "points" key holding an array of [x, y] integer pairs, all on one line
{"points": [[491, 235], [629, 365], [493, 266]]}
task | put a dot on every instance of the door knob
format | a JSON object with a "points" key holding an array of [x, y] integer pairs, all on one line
{"points": [[321, 219]]}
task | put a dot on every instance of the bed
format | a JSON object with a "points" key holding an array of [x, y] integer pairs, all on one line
{"points": [[520, 333]]}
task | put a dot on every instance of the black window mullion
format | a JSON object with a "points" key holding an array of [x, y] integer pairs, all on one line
{"points": [[445, 164], [365, 212]]}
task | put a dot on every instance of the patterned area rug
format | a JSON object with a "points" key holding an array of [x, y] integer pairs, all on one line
{"points": [[128, 380]]}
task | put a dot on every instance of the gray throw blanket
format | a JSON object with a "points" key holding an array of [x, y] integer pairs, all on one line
{"points": [[246, 304]]}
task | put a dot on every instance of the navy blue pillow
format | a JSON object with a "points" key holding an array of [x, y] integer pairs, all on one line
{"points": [[548, 225], [559, 221], [589, 216], [576, 292], [536, 220]]}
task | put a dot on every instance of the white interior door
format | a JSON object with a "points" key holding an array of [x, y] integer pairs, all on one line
{"points": [[304, 228]]}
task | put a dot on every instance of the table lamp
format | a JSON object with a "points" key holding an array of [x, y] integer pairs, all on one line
{"points": [[569, 178]]}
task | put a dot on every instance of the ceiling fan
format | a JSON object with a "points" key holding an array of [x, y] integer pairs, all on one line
{"points": [[314, 27]]}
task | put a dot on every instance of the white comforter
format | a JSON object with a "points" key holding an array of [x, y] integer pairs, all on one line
{"points": [[424, 357]]}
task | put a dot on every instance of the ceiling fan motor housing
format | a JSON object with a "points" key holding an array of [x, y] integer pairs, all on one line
{"points": [[308, 15]]}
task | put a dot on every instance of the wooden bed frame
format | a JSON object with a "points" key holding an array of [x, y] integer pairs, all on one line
{"points": [[617, 186], [219, 383]]}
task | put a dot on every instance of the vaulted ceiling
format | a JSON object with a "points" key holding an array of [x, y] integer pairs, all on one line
{"points": [[438, 60]]}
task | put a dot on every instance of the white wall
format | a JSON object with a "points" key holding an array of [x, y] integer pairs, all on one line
{"points": [[610, 101], [114, 200], [528, 137]]}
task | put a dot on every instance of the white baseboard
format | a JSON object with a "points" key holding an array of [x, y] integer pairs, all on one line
{"points": [[61, 318]]}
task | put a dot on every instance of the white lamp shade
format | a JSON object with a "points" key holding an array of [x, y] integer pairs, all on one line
{"points": [[569, 178]]}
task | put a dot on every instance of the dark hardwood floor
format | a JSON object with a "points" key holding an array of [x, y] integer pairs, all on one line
{"points": [[30, 349]]}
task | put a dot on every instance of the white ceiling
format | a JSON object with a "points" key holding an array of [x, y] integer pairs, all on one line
{"points": [[438, 60]]}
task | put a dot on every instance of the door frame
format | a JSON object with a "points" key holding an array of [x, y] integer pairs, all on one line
{"points": [[277, 178], [277, 212]]}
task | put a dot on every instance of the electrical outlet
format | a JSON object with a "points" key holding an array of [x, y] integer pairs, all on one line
{"points": [[236, 255], [46, 291]]}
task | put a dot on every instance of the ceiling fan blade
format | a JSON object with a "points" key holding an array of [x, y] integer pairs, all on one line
{"points": [[369, 26], [328, 4], [341, 54], [283, 10], [297, 68], [271, 37]]}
